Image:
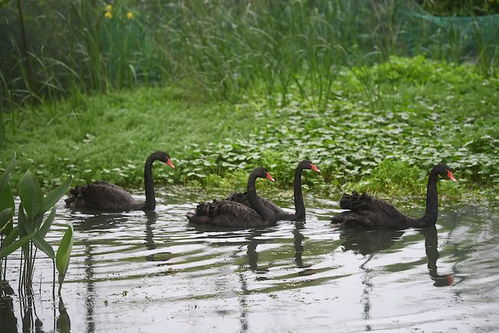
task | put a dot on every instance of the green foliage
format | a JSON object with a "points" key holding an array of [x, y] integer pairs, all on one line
{"points": [[11, 246], [386, 126], [31, 195], [220, 49], [64, 254], [31, 227], [34, 206], [6, 199]]}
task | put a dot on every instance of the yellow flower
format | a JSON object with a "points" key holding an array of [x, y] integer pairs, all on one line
{"points": [[130, 16], [108, 15], [109, 8]]}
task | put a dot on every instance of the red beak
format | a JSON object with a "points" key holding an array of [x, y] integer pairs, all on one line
{"points": [[451, 176], [269, 177], [170, 164], [315, 168]]}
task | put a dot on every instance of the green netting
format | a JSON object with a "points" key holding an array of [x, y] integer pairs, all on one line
{"points": [[471, 34]]}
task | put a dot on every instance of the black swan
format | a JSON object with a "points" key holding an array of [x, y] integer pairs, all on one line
{"points": [[105, 197], [227, 213], [367, 211], [280, 214]]}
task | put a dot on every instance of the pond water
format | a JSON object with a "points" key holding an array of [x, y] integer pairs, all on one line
{"points": [[138, 272]]}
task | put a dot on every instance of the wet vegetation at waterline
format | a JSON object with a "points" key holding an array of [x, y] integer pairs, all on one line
{"points": [[26, 230]]}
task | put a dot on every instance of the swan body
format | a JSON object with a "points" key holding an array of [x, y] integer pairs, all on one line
{"points": [[106, 197], [233, 214], [367, 211], [280, 214]]}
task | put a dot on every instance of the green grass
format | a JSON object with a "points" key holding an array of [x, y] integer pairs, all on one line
{"points": [[383, 130], [222, 49]]}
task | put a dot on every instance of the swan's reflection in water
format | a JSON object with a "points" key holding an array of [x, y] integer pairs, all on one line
{"points": [[151, 220], [431, 248], [369, 242], [298, 244]]}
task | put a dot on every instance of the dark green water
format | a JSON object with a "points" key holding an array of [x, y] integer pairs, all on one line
{"points": [[156, 273]]}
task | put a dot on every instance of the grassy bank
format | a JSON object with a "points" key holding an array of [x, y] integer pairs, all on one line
{"points": [[384, 128]]}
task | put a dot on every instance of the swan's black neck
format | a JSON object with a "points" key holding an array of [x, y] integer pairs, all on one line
{"points": [[150, 203], [298, 195], [431, 214], [254, 201]]}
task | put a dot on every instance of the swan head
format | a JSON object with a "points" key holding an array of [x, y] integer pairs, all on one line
{"points": [[163, 157], [307, 164], [261, 172], [443, 170]]}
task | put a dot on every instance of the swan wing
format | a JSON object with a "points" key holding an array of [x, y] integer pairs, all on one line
{"points": [[362, 203], [105, 197], [228, 214], [278, 211]]}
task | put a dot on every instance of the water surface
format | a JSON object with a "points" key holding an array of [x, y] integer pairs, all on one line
{"points": [[138, 272]]}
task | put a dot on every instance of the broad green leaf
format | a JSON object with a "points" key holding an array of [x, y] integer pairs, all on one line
{"points": [[8, 170], [54, 196], [39, 237], [43, 245], [6, 250], [31, 194], [5, 227], [64, 253], [5, 216], [21, 221], [6, 197], [47, 224], [11, 237]]}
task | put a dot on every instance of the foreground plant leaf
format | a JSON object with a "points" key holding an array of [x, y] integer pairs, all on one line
{"points": [[6, 197], [54, 196], [64, 254], [5, 216], [39, 237], [31, 194], [6, 250], [5, 177]]}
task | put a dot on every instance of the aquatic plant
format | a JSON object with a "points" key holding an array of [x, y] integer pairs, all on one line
{"points": [[64, 254], [6, 214], [32, 225]]}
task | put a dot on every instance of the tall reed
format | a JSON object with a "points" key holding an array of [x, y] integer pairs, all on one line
{"points": [[222, 49]]}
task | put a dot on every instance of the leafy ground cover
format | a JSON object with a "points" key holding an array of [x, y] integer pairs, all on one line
{"points": [[382, 131]]}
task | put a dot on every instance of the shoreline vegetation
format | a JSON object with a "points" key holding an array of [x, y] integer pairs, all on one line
{"points": [[373, 92], [381, 132]]}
